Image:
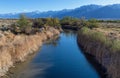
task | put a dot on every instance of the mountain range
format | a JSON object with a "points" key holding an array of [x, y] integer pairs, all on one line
{"points": [[87, 11]]}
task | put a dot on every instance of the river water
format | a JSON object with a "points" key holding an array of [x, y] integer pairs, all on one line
{"points": [[59, 58]]}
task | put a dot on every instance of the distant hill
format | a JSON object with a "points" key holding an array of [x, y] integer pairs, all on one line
{"points": [[88, 11]]}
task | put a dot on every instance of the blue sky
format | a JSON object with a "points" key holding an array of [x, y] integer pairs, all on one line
{"points": [[11, 6]]}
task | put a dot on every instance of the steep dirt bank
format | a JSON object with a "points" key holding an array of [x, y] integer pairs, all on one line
{"points": [[103, 49], [15, 48]]}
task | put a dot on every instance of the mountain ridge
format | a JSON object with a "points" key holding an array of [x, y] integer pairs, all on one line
{"points": [[87, 11]]}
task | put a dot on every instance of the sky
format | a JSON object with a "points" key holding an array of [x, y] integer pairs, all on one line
{"points": [[13, 6]]}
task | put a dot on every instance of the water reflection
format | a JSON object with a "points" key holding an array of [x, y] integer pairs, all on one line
{"points": [[69, 33], [53, 41], [59, 58]]}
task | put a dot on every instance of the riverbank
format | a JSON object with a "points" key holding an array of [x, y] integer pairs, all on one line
{"points": [[103, 46], [15, 48], [55, 60], [100, 69]]}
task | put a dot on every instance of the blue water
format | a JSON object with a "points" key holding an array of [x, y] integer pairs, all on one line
{"points": [[60, 58]]}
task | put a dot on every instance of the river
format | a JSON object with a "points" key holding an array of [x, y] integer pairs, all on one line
{"points": [[58, 58]]}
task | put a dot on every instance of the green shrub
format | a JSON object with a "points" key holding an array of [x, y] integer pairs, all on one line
{"points": [[24, 24], [70, 21], [54, 22], [38, 23], [92, 23]]}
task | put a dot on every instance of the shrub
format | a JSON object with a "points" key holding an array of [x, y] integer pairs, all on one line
{"points": [[14, 28], [23, 25], [38, 23], [54, 22], [70, 21], [66, 21], [92, 23]]}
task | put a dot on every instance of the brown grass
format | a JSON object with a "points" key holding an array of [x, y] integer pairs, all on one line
{"points": [[106, 49], [15, 48]]}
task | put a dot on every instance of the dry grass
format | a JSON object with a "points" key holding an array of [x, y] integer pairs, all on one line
{"points": [[15, 48], [104, 44], [109, 25], [7, 22]]}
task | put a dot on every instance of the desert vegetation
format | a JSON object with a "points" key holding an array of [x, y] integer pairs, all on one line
{"points": [[19, 39], [103, 43], [30, 26], [75, 23]]}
